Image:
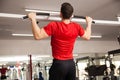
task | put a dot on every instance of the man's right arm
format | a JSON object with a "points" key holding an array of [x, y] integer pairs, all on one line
{"points": [[39, 33], [87, 33]]}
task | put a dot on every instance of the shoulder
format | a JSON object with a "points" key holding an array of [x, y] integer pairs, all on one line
{"points": [[77, 25], [52, 23]]}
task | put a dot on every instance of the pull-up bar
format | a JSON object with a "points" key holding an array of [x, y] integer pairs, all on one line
{"points": [[77, 18], [44, 16], [48, 14]]}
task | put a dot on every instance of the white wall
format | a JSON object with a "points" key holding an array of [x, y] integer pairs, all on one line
{"points": [[21, 47]]}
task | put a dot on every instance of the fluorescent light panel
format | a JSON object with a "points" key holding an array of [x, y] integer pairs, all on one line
{"points": [[75, 55], [14, 58], [42, 56], [98, 36], [22, 34]]}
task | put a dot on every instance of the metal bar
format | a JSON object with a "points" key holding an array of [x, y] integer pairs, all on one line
{"points": [[30, 66], [8, 15], [43, 14], [117, 51], [96, 58], [83, 58], [82, 17], [51, 18]]}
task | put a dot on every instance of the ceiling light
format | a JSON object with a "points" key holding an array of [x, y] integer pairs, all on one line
{"points": [[22, 34], [95, 36], [75, 55], [14, 58], [98, 36], [21, 58], [105, 22], [42, 56]]}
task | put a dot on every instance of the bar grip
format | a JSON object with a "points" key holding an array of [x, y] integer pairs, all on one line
{"points": [[43, 14], [25, 17], [82, 17]]}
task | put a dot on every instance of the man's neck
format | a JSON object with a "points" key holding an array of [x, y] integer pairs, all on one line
{"points": [[66, 21]]}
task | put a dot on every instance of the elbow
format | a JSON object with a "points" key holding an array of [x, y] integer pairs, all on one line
{"points": [[88, 38], [37, 37]]}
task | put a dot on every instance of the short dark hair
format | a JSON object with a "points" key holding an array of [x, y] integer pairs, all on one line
{"points": [[66, 10]]}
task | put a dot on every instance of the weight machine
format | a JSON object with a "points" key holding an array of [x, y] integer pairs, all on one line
{"points": [[92, 69], [106, 70]]}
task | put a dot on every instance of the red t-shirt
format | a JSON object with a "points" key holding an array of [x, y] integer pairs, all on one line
{"points": [[63, 37], [3, 71]]}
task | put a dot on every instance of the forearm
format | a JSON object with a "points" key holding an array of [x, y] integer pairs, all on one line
{"points": [[38, 32], [88, 31], [35, 29], [87, 34]]}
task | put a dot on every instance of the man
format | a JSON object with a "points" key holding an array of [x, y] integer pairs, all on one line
{"points": [[63, 35], [3, 72]]}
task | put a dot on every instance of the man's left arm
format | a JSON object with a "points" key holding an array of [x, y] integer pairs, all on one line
{"points": [[39, 33]]}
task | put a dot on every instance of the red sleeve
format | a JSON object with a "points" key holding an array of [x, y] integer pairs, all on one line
{"points": [[81, 31], [49, 28]]}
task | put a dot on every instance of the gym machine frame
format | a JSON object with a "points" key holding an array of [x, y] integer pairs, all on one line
{"points": [[99, 70], [92, 75]]}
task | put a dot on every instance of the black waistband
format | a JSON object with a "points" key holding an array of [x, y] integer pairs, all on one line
{"points": [[62, 60]]}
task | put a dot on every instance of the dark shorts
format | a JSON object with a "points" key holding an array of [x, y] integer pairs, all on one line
{"points": [[62, 70]]}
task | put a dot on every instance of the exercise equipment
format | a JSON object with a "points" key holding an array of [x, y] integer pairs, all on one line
{"points": [[117, 51], [56, 18], [43, 14], [99, 70], [111, 54], [47, 14], [109, 72], [77, 18], [92, 69]]}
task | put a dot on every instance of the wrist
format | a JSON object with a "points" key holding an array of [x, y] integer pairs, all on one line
{"points": [[33, 20], [89, 24]]}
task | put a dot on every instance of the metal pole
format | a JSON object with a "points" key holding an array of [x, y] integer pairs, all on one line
{"points": [[30, 66], [57, 18]]}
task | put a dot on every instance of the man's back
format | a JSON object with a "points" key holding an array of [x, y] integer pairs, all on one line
{"points": [[63, 37]]}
